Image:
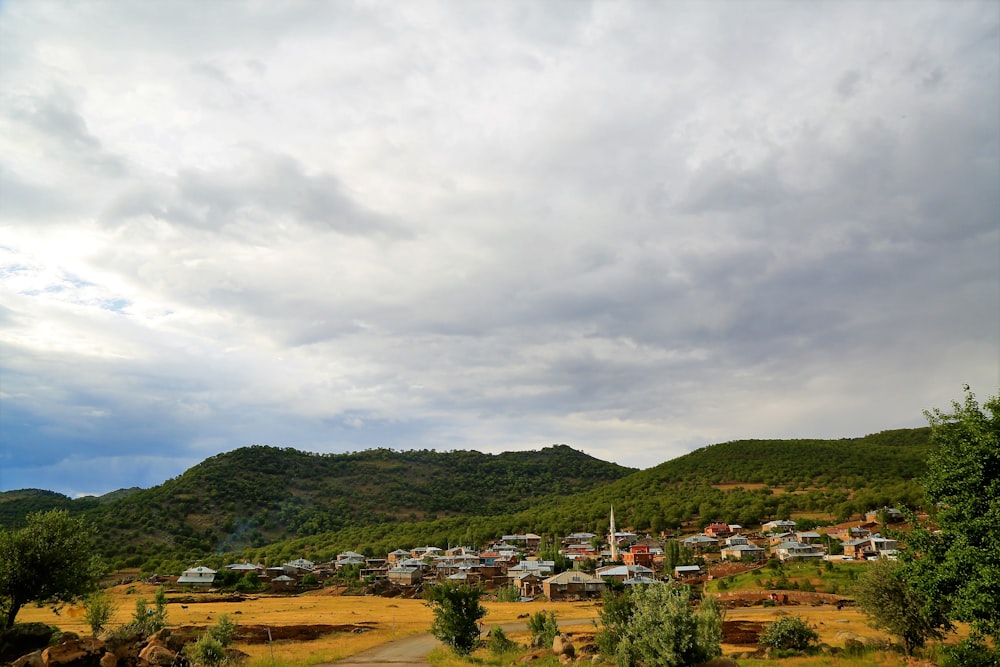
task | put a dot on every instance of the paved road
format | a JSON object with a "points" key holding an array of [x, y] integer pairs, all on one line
{"points": [[413, 650]]}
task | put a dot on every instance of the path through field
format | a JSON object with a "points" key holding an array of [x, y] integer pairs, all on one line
{"points": [[414, 650]]}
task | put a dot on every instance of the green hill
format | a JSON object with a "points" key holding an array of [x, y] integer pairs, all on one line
{"points": [[268, 502]]}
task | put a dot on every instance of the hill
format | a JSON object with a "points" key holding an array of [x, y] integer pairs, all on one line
{"points": [[745, 482], [268, 502], [257, 495]]}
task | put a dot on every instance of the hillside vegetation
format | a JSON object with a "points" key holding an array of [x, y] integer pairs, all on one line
{"points": [[269, 503]]}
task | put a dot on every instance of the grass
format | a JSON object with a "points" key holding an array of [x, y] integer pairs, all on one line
{"points": [[840, 578]]}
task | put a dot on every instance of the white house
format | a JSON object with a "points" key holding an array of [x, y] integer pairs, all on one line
{"points": [[198, 576]]}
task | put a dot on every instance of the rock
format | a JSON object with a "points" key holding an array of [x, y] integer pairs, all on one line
{"points": [[33, 659], [720, 662], [852, 636], [565, 659], [156, 653], [86, 652], [561, 645], [109, 660]]}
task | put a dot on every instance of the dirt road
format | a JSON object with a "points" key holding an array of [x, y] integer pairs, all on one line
{"points": [[413, 650]]}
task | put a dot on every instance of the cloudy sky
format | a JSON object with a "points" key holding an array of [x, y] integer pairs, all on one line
{"points": [[635, 228]]}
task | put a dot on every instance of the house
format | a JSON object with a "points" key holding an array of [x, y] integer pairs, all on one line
{"points": [[349, 558], [718, 530], [395, 556], [687, 571], [540, 567], [793, 550], [740, 548], [529, 584], [892, 515], [699, 543], [870, 547], [404, 575], [298, 566], [282, 583], [778, 526], [245, 567], [639, 554], [623, 572], [529, 541], [425, 552], [573, 584], [776, 538], [197, 576], [854, 533], [642, 581], [807, 536]]}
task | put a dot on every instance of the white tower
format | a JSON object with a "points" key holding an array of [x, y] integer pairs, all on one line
{"points": [[613, 537]]}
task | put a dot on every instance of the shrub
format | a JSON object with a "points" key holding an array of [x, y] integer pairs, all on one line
{"points": [[664, 631], [98, 608], [508, 594], [456, 615], [210, 649], [543, 629], [499, 643], [790, 632], [970, 652]]}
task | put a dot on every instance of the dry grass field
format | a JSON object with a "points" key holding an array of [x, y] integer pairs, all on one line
{"points": [[391, 618]]}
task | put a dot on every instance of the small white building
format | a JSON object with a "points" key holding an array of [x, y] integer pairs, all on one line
{"points": [[197, 576]]}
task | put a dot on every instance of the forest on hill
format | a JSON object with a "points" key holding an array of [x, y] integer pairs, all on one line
{"points": [[268, 503]]}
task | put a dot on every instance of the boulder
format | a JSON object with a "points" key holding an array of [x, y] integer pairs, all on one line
{"points": [[109, 660], [561, 645], [86, 652], [33, 659], [853, 637], [156, 653]]}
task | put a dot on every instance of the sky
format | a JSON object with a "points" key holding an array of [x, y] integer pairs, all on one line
{"points": [[635, 228]]}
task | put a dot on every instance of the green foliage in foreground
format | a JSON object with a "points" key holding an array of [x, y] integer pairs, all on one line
{"points": [[457, 611], [51, 558], [656, 626], [895, 606], [957, 568]]}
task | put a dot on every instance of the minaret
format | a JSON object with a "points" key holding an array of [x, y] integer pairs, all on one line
{"points": [[613, 540]]}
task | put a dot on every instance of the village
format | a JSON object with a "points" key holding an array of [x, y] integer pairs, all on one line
{"points": [[587, 563]]}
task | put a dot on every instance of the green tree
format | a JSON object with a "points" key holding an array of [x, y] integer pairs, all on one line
{"points": [[457, 611], [894, 606], [51, 558], [789, 632], [664, 630], [956, 569], [210, 649], [544, 628], [98, 608]]}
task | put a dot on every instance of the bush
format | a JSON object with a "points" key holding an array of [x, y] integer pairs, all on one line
{"points": [[664, 631], [971, 652], [790, 632], [508, 594], [210, 649], [98, 608], [456, 615], [543, 629], [499, 643]]}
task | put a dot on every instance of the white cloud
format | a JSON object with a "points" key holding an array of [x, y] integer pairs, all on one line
{"points": [[629, 227]]}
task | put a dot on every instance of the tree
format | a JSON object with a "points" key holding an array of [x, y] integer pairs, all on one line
{"points": [[894, 606], [210, 649], [544, 628], [956, 569], [51, 558], [664, 631], [789, 632], [98, 609], [456, 615]]}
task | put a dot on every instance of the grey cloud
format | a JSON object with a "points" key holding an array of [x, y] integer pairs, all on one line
{"points": [[56, 116], [266, 190]]}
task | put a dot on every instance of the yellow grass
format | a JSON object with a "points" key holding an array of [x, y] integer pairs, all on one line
{"points": [[393, 618]]}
